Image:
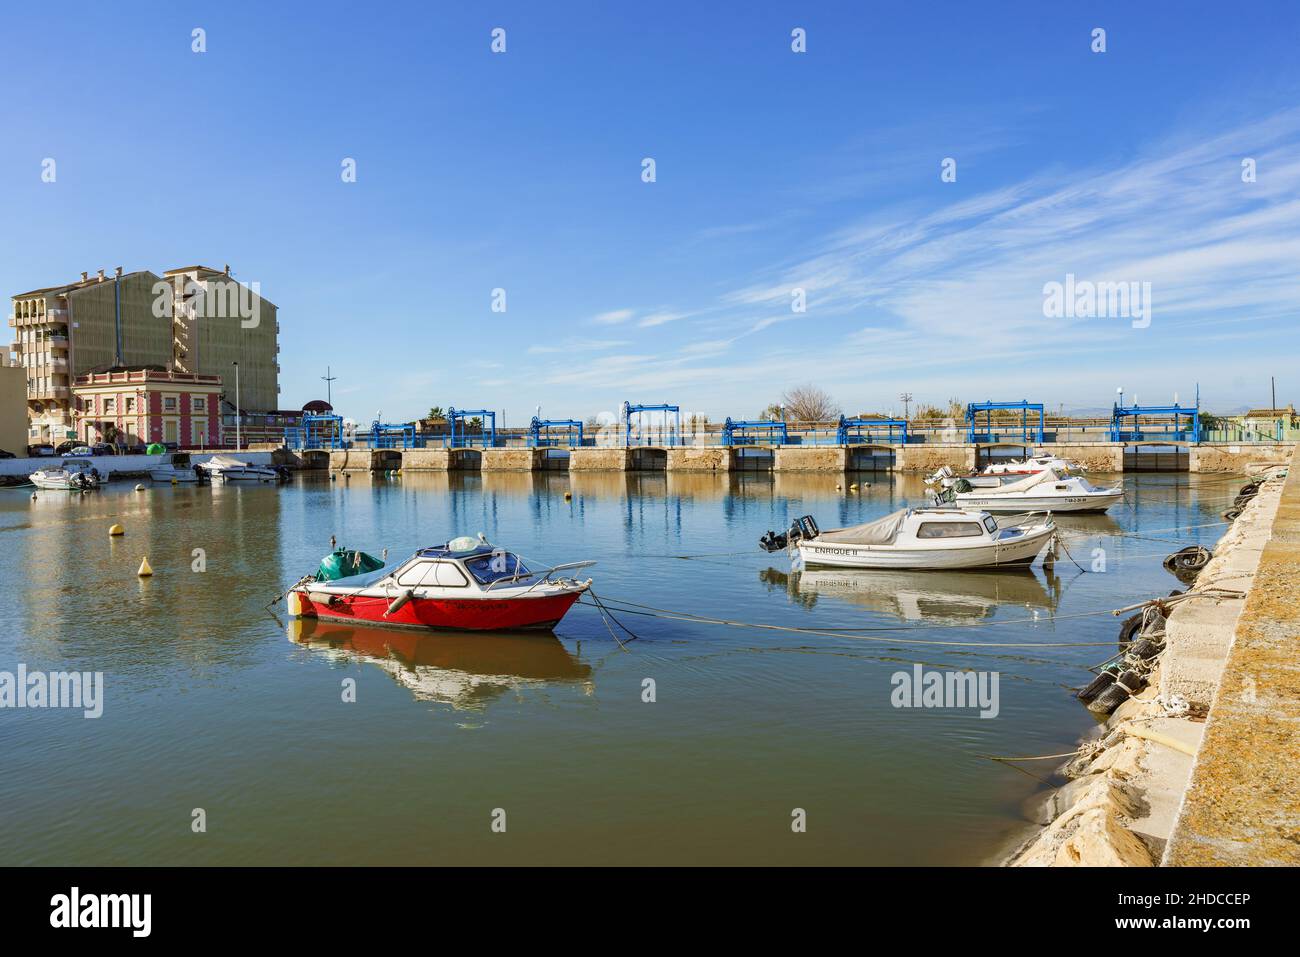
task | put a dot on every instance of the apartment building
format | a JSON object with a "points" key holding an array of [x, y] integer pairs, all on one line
{"points": [[193, 320]]}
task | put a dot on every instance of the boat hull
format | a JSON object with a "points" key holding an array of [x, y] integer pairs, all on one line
{"points": [[1020, 551], [182, 477], [1007, 504], [542, 612], [247, 475]]}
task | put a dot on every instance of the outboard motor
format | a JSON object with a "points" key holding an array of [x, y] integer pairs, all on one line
{"points": [[803, 528]]}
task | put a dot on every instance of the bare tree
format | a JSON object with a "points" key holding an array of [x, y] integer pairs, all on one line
{"points": [[808, 403]]}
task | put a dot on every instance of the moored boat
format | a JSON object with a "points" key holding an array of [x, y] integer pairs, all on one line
{"points": [[1054, 489], [464, 585], [229, 469], [917, 539], [71, 475], [998, 474], [177, 474]]}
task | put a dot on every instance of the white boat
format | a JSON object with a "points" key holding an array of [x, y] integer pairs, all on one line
{"points": [[1053, 489], [917, 538], [176, 474], [229, 469], [1004, 473], [71, 475]]}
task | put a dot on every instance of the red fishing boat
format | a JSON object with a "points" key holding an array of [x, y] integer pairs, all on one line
{"points": [[465, 585]]}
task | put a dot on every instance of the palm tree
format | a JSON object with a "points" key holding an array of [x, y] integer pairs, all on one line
{"points": [[435, 412]]}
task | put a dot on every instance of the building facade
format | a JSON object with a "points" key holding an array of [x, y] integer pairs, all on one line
{"points": [[134, 407], [13, 409], [194, 320]]}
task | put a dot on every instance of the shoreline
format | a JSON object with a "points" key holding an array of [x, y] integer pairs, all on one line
{"points": [[1132, 779]]}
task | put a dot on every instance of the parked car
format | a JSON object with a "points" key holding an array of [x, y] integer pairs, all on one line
{"points": [[103, 448], [63, 448], [43, 448], [81, 451]]}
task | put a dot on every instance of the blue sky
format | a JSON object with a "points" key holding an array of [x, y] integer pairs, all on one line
{"points": [[775, 171]]}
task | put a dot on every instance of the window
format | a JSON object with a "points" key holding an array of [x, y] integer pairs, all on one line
{"points": [[199, 404], [445, 575], [130, 404], [949, 530], [990, 524], [491, 568], [411, 576], [169, 403], [110, 405]]}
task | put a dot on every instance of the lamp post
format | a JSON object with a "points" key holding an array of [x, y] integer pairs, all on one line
{"points": [[329, 379], [238, 416]]}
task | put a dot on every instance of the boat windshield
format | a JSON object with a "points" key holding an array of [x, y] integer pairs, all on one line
{"points": [[492, 568]]}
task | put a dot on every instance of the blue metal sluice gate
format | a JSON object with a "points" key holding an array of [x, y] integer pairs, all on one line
{"points": [[630, 409], [1026, 433], [754, 432], [316, 432], [460, 437], [863, 431], [1175, 423], [540, 434]]}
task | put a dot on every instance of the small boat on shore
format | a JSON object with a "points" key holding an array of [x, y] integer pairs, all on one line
{"points": [[229, 469], [465, 585], [72, 475], [1053, 489], [917, 539]]}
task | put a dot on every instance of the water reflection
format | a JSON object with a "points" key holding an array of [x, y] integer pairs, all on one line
{"points": [[467, 672], [933, 596]]}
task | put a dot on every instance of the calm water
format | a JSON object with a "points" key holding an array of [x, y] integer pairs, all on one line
{"points": [[213, 703]]}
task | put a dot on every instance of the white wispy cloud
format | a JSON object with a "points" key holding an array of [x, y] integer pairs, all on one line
{"points": [[948, 294], [613, 317]]}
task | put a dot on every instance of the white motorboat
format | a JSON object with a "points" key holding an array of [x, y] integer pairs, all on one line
{"points": [[1004, 473], [177, 474], [1053, 489], [917, 538], [72, 475], [229, 469]]}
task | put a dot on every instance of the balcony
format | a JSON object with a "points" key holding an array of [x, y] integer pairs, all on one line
{"points": [[59, 364], [48, 392], [16, 346]]}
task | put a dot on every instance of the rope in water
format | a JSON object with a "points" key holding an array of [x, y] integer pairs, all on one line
{"points": [[626, 607]]}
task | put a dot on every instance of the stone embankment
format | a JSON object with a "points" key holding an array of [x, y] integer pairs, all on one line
{"points": [[1158, 782]]}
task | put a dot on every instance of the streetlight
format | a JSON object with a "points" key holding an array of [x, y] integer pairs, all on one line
{"points": [[238, 443]]}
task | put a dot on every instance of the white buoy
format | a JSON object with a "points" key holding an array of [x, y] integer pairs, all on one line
{"points": [[145, 570], [139, 488]]}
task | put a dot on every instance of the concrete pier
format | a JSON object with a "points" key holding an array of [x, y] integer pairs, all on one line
{"points": [[1243, 802], [695, 459], [511, 460], [599, 459]]}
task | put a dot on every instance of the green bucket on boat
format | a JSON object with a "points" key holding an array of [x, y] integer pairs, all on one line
{"points": [[156, 449], [346, 562]]}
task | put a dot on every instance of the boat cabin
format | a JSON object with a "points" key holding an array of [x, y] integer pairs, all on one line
{"points": [[478, 569]]}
